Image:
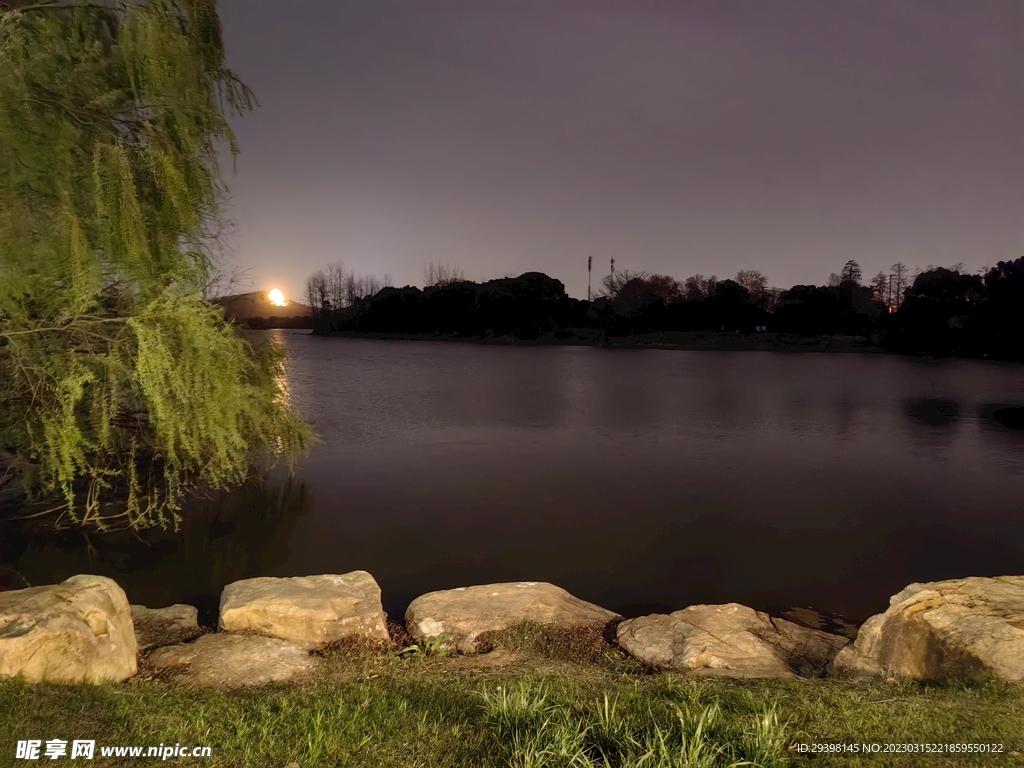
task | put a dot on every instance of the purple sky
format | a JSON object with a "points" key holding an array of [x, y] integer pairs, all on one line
{"points": [[677, 137]]}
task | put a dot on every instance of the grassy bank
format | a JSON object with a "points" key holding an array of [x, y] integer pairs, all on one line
{"points": [[542, 703]]}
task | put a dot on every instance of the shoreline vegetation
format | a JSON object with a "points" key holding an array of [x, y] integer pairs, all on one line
{"points": [[371, 708], [940, 313], [289, 677]]}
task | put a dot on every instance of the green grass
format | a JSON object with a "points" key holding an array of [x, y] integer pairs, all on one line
{"points": [[537, 708]]}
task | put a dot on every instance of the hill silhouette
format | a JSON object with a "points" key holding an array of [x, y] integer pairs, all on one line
{"points": [[256, 310]]}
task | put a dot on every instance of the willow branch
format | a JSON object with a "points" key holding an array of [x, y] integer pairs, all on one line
{"points": [[76, 324], [66, 4]]}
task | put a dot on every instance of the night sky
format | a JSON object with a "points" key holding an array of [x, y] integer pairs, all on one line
{"points": [[504, 136]]}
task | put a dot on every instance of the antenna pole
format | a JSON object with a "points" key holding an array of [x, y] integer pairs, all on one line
{"points": [[590, 260]]}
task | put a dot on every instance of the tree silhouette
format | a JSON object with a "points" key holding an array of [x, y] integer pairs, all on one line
{"points": [[851, 272], [900, 281]]}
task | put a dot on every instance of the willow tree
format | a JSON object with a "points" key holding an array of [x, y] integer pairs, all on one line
{"points": [[121, 387]]}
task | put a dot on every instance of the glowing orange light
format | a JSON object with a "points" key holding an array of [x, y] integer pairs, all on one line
{"points": [[277, 298]]}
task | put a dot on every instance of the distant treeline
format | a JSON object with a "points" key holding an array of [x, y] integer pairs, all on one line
{"points": [[940, 311]]}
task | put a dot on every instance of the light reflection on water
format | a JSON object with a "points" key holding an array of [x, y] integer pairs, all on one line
{"points": [[637, 479]]}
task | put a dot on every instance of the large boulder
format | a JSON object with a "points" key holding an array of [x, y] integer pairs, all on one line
{"points": [[74, 632], [460, 615], [234, 661], [155, 627], [730, 640], [946, 629], [312, 611]]}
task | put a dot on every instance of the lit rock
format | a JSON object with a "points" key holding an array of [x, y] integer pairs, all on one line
{"points": [[312, 611], [79, 631], [960, 628], [234, 661], [460, 615], [730, 640]]}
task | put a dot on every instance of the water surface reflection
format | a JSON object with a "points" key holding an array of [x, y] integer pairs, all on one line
{"points": [[222, 539], [636, 479]]}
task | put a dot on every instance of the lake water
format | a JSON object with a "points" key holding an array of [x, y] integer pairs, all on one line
{"points": [[642, 480]]}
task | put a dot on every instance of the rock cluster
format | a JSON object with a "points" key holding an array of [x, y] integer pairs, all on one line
{"points": [[282, 620], [459, 616], [78, 631], [83, 630], [234, 661], [946, 629], [729, 640], [312, 611]]}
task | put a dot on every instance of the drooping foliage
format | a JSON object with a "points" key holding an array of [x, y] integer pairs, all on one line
{"points": [[121, 386]]}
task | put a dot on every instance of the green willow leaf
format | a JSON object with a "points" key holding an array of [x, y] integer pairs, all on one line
{"points": [[121, 386]]}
